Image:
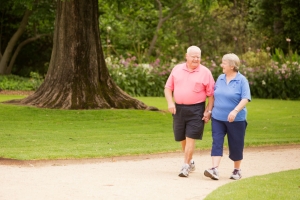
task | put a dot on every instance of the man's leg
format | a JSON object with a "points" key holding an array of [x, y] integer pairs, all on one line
{"points": [[183, 143], [189, 150], [189, 145]]}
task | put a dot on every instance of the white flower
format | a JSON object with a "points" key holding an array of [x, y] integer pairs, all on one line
{"points": [[144, 65], [263, 82]]}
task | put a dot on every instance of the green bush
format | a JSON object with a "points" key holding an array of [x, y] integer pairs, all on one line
{"points": [[139, 79], [274, 76], [13, 82]]}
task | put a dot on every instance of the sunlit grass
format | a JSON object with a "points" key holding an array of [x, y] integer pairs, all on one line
{"points": [[34, 133], [275, 186]]}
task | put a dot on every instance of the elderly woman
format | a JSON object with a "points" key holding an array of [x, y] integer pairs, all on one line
{"points": [[231, 94]]}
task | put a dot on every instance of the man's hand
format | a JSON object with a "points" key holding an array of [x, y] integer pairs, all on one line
{"points": [[206, 117], [171, 108]]}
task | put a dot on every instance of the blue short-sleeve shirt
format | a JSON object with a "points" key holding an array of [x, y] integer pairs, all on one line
{"points": [[228, 96]]}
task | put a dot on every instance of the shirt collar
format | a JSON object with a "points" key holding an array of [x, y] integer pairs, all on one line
{"points": [[194, 70], [235, 78]]}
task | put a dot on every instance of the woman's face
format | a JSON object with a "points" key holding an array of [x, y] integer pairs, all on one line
{"points": [[226, 67]]}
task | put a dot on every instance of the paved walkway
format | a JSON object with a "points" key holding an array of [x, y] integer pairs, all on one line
{"points": [[140, 177]]}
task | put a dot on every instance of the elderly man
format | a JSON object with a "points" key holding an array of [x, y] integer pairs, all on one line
{"points": [[189, 84]]}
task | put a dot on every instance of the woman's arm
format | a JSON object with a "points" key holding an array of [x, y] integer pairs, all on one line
{"points": [[237, 109]]}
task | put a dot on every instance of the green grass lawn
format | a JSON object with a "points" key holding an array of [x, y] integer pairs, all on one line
{"points": [[28, 133], [275, 186]]}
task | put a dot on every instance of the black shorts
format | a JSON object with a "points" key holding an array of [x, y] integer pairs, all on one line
{"points": [[187, 122]]}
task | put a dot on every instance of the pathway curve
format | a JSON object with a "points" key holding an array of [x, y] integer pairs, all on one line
{"points": [[139, 177]]}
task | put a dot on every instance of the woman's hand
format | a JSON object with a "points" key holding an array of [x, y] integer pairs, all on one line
{"points": [[206, 116], [232, 115]]}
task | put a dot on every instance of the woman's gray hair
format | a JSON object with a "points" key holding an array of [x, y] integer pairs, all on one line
{"points": [[233, 61]]}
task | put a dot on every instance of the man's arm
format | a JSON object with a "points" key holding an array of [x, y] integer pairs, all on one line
{"points": [[169, 98], [209, 106]]}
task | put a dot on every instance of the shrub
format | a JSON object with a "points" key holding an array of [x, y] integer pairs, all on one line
{"points": [[139, 79], [13, 82], [270, 75], [274, 76]]}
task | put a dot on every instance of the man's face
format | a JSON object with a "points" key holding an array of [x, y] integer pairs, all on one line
{"points": [[193, 59]]}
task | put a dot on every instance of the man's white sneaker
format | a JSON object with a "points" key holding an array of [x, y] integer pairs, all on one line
{"points": [[192, 166], [184, 172]]}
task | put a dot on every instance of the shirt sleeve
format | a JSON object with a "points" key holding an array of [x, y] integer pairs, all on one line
{"points": [[170, 82], [210, 85], [246, 94]]}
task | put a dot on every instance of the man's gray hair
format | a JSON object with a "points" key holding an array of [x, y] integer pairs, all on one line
{"points": [[233, 61], [193, 48]]}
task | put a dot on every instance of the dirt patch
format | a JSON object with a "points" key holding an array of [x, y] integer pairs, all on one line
{"points": [[16, 92]]}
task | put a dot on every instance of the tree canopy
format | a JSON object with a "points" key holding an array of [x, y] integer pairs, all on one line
{"points": [[151, 29]]}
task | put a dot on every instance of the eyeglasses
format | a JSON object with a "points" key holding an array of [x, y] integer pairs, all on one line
{"points": [[195, 57]]}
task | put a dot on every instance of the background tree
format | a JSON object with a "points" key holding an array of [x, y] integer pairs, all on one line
{"points": [[22, 23], [78, 77], [149, 29], [276, 20]]}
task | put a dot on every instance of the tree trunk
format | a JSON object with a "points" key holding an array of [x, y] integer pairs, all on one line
{"points": [[77, 77], [12, 42], [18, 49]]}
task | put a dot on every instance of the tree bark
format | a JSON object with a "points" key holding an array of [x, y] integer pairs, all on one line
{"points": [[77, 77]]}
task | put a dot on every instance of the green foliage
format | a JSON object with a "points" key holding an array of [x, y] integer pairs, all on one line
{"points": [[276, 20], [13, 82], [282, 185], [275, 76], [36, 52], [280, 79], [256, 59], [139, 79], [34, 133], [131, 26]]}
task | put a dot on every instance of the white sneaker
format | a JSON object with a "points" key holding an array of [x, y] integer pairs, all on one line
{"points": [[192, 166], [212, 173], [236, 174], [184, 172]]}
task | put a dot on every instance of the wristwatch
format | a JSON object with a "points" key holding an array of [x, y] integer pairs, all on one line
{"points": [[209, 111]]}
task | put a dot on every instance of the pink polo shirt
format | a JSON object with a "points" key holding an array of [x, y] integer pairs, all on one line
{"points": [[190, 87]]}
